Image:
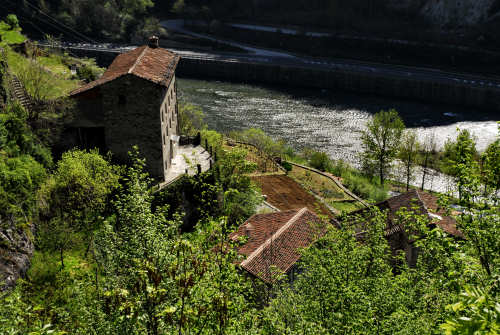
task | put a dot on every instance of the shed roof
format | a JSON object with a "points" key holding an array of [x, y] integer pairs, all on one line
{"points": [[156, 65], [274, 240], [422, 203]]}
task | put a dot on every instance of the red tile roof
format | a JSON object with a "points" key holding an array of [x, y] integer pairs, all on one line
{"points": [[423, 203], [154, 64], [274, 240]]}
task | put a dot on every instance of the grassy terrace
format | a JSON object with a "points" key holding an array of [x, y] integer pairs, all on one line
{"points": [[46, 73], [324, 188], [310, 181]]}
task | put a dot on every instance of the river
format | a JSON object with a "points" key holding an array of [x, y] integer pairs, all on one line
{"points": [[326, 120]]}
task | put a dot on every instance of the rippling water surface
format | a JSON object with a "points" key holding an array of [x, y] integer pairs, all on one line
{"points": [[325, 119]]}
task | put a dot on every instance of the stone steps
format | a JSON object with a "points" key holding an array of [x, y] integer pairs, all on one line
{"points": [[20, 94]]}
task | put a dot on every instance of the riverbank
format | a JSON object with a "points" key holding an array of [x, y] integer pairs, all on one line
{"points": [[328, 120]]}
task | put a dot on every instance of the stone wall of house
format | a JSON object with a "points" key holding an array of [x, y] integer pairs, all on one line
{"points": [[169, 124], [89, 107], [131, 108]]}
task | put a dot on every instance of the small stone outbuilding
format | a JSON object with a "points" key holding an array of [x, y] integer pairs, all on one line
{"points": [[418, 202], [133, 103]]}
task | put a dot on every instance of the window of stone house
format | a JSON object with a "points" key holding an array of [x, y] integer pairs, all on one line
{"points": [[162, 112], [170, 123], [122, 99], [164, 141], [166, 130]]}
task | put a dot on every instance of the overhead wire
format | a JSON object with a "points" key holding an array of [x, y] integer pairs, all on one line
{"points": [[24, 18], [58, 22], [54, 26], [34, 25], [51, 24]]}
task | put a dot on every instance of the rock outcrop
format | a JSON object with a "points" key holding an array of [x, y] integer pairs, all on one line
{"points": [[456, 14], [448, 14], [16, 249]]}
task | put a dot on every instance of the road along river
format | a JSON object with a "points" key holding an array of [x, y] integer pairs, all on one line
{"points": [[326, 120]]}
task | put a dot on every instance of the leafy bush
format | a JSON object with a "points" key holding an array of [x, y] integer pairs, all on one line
{"points": [[261, 140], [85, 73], [213, 138], [320, 161], [287, 166], [191, 119], [364, 186], [20, 177], [22, 164]]}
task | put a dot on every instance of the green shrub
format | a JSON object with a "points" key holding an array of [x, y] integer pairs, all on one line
{"points": [[85, 73], [364, 187], [320, 160], [287, 166]]}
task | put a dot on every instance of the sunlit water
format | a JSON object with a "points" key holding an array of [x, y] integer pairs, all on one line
{"points": [[328, 120]]}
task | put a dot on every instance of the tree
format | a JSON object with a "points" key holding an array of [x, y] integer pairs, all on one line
{"points": [[491, 166], [74, 197], [159, 281], [408, 155], [428, 148], [12, 21], [239, 195], [460, 159], [380, 142], [190, 119], [23, 164], [477, 310]]}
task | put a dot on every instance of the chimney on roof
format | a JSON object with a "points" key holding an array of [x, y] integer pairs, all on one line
{"points": [[154, 42], [249, 229]]}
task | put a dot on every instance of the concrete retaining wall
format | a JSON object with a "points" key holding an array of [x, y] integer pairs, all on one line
{"points": [[410, 88], [297, 76]]}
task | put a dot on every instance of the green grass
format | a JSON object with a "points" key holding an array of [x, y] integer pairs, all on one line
{"points": [[318, 184], [13, 37], [54, 64], [345, 206], [55, 86]]}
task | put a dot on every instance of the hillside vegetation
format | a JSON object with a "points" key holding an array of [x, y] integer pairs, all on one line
{"points": [[114, 255]]}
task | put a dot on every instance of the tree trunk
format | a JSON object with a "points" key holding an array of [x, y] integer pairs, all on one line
{"points": [[408, 177], [62, 257], [424, 172], [381, 172]]}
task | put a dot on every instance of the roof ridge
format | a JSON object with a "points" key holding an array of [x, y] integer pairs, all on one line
{"points": [[274, 236], [131, 70]]}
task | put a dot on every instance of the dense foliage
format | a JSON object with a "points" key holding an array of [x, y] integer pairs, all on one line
{"points": [[84, 20], [23, 164], [115, 255]]}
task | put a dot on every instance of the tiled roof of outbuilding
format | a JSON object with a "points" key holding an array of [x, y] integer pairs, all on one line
{"points": [[274, 240], [423, 203], [153, 64]]}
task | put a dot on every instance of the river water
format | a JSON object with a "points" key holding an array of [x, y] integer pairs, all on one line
{"points": [[330, 121]]}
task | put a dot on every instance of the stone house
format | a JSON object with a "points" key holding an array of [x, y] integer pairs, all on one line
{"points": [[271, 242], [419, 202], [133, 103]]}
